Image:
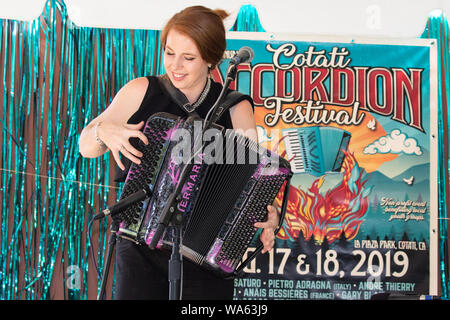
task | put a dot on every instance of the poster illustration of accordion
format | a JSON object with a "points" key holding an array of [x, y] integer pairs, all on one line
{"points": [[357, 121]]}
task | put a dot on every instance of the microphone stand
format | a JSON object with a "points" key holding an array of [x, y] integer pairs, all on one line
{"points": [[217, 109], [171, 215], [115, 224], [176, 263], [111, 245]]}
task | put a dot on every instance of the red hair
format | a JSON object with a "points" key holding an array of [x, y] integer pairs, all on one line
{"points": [[205, 27]]}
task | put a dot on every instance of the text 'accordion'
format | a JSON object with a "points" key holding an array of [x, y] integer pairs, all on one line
{"points": [[227, 190]]}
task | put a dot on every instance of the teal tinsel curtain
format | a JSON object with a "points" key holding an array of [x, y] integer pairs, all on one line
{"points": [[56, 78], [437, 28], [247, 20]]}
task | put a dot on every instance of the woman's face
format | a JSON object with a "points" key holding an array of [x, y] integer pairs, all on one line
{"points": [[184, 64]]}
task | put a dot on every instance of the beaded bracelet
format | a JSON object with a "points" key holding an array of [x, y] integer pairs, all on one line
{"points": [[99, 141]]}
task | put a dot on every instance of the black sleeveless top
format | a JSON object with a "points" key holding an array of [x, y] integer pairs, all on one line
{"points": [[157, 100]]}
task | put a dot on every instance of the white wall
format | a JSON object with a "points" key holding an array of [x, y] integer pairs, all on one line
{"points": [[374, 18]]}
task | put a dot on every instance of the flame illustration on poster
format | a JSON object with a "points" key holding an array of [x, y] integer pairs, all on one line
{"points": [[339, 211]]}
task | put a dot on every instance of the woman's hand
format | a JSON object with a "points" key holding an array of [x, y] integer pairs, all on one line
{"points": [[116, 137], [267, 235]]}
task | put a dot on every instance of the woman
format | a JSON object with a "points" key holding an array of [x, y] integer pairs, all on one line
{"points": [[194, 43]]}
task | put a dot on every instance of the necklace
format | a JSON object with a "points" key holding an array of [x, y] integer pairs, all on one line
{"points": [[201, 98]]}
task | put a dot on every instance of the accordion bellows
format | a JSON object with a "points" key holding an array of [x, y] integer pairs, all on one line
{"points": [[228, 189]]}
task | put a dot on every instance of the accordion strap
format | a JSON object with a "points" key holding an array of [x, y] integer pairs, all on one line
{"points": [[231, 98], [176, 95]]}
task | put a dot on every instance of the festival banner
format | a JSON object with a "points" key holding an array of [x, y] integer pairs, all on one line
{"points": [[356, 118]]}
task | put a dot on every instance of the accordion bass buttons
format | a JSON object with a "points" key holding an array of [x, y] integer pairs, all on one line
{"points": [[144, 174]]}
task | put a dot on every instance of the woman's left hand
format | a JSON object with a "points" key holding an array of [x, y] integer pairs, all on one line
{"points": [[271, 224]]}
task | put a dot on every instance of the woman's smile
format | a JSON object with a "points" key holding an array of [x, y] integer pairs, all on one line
{"points": [[184, 65]]}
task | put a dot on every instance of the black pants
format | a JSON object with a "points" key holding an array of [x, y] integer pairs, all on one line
{"points": [[141, 273]]}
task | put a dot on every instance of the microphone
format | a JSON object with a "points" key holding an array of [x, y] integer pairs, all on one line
{"points": [[123, 204], [245, 54]]}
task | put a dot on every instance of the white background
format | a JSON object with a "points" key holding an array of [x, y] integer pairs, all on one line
{"points": [[374, 18]]}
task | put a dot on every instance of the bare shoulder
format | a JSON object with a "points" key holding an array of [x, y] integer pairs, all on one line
{"points": [[242, 118], [242, 108], [137, 86], [128, 100]]}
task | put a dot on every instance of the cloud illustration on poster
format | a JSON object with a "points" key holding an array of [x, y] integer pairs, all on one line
{"points": [[394, 142]]}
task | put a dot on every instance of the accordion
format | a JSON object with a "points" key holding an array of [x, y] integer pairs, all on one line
{"points": [[230, 183], [316, 150]]}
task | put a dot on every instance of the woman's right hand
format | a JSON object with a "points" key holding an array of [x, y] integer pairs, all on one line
{"points": [[116, 137]]}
